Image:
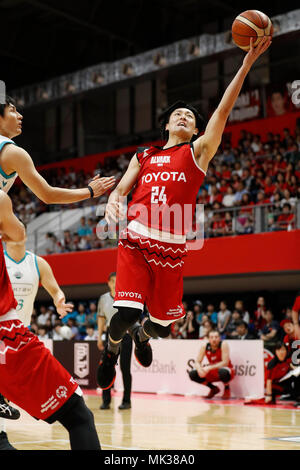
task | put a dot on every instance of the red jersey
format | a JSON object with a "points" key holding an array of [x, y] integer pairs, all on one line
{"points": [[7, 299], [164, 197], [214, 357], [277, 369]]}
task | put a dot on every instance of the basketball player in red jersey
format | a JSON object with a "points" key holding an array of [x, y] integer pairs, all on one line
{"points": [[151, 257], [219, 367], [29, 375]]}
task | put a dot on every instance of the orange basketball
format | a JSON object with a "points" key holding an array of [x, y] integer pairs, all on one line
{"points": [[250, 24]]}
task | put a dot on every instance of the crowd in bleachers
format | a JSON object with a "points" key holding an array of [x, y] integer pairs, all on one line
{"points": [[254, 173], [233, 321]]}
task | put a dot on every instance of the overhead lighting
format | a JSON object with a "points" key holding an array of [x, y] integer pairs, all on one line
{"points": [[159, 59], [194, 49], [69, 87], [98, 78], [127, 69]]}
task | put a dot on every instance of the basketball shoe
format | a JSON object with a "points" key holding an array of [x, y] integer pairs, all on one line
{"points": [[142, 350], [213, 391], [226, 393], [7, 411], [106, 372]]}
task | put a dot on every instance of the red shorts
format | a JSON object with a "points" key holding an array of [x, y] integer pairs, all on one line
{"points": [[151, 272], [29, 375], [213, 375]]}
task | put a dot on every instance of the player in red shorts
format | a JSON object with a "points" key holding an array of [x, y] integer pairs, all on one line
{"points": [[29, 375], [165, 181], [219, 367]]}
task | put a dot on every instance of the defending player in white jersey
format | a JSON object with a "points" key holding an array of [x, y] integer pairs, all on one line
{"points": [[15, 161], [26, 271]]}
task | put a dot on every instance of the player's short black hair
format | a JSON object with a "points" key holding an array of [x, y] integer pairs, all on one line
{"points": [[8, 100], [112, 275], [165, 116]]}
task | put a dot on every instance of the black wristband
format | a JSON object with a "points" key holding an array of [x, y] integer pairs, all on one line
{"points": [[91, 190]]}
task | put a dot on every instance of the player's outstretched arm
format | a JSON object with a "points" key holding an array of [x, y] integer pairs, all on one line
{"points": [[206, 146], [20, 161], [49, 282], [11, 228], [114, 205]]}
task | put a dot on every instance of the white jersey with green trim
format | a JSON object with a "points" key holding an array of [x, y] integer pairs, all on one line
{"points": [[25, 277], [6, 181]]}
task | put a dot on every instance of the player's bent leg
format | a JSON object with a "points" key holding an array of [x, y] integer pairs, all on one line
{"points": [[225, 377], [194, 376], [78, 419], [119, 324]]}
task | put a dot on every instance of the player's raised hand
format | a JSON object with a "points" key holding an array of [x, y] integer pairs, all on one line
{"points": [[101, 185], [62, 308], [255, 52]]}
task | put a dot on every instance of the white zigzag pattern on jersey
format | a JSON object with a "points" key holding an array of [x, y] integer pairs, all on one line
{"points": [[14, 349], [11, 327], [158, 246], [181, 263]]}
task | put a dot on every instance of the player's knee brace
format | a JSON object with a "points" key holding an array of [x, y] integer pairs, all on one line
{"points": [[155, 330], [224, 375], [122, 320], [195, 376]]}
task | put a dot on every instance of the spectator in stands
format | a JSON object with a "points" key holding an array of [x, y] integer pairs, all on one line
{"points": [[51, 243], [56, 336], [192, 327], [91, 334], [239, 306], [91, 318], [277, 368], [287, 199], [239, 193], [42, 333], [285, 220], [232, 324], [212, 313], [242, 331], [229, 198], [43, 316], [206, 328], [223, 317], [66, 242], [81, 317], [270, 332], [84, 229], [197, 310], [71, 323]]}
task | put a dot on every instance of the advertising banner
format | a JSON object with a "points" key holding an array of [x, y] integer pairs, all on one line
{"points": [[174, 359]]}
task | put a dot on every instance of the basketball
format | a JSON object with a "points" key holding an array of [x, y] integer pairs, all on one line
{"points": [[250, 24]]}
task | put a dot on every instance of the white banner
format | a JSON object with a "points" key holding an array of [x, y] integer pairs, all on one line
{"points": [[173, 359]]}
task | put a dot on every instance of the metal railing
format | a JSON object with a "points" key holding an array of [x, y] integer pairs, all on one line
{"points": [[237, 220]]}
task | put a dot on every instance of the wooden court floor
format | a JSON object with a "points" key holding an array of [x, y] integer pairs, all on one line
{"points": [[169, 422]]}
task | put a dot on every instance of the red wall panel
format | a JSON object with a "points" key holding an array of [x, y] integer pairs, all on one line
{"points": [[266, 252]]}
